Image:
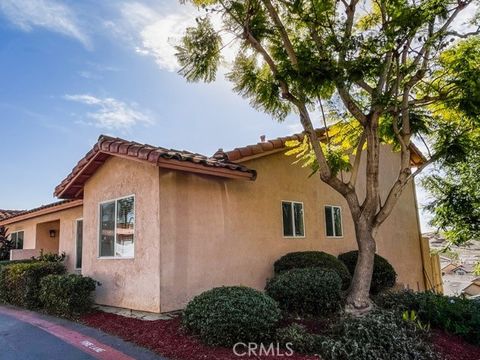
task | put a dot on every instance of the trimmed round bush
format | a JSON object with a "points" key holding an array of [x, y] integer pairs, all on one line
{"points": [[311, 259], [384, 275], [67, 295], [227, 315], [312, 291]]}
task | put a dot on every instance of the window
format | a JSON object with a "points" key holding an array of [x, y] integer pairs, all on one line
{"points": [[79, 244], [293, 225], [117, 227], [333, 221], [17, 239]]}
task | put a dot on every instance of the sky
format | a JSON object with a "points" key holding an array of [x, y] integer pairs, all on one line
{"points": [[72, 70]]}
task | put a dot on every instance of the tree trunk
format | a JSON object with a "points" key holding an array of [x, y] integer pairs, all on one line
{"points": [[358, 299]]}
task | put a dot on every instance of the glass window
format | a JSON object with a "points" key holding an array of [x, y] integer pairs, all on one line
{"points": [[17, 239], [287, 219], [124, 230], [117, 226], [107, 229], [333, 221], [293, 224], [79, 244]]}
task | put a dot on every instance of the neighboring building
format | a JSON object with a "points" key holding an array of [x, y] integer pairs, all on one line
{"points": [[157, 227], [457, 262], [7, 213], [473, 290]]}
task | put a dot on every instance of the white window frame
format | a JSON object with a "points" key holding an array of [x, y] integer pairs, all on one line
{"points": [[115, 229], [16, 232], [293, 219], [333, 221], [76, 243]]}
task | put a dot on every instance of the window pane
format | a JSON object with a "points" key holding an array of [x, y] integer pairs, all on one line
{"points": [[19, 243], [107, 229], [78, 261], [125, 227], [337, 216], [287, 219], [13, 238], [328, 220], [298, 213]]}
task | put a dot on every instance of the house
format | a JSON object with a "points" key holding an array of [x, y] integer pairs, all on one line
{"points": [[456, 269], [157, 227], [473, 290]]}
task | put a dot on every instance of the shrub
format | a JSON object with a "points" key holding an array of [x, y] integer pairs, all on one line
{"points": [[455, 315], [299, 339], [309, 259], [384, 275], [50, 257], [11, 262], [227, 315], [66, 295], [20, 283], [311, 291], [377, 335]]}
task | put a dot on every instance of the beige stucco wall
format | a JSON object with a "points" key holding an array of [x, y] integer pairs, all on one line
{"points": [[64, 240], [130, 283], [225, 232]]}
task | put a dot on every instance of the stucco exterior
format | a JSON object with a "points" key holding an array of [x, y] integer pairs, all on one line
{"points": [[129, 283], [195, 231], [220, 232], [36, 233]]}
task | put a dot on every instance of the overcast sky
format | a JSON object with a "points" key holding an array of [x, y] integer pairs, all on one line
{"points": [[72, 70]]}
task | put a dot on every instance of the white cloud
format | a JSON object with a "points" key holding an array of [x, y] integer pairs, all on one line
{"points": [[111, 113], [48, 14], [155, 31]]}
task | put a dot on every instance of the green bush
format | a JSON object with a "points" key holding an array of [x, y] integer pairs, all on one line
{"points": [[227, 315], [20, 283], [11, 262], [309, 259], [377, 335], [311, 291], [384, 275], [455, 315], [66, 295], [299, 338]]}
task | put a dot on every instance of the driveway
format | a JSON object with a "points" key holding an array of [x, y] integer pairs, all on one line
{"points": [[26, 335]]}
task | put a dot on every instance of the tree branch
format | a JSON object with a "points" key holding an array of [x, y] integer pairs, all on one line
{"points": [[283, 33]]}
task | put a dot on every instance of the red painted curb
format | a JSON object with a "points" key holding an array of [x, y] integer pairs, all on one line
{"points": [[85, 343]]}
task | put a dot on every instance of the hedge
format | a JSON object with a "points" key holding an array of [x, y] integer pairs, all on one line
{"points": [[309, 259], [384, 275], [227, 315], [67, 295], [20, 282], [312, 291]]}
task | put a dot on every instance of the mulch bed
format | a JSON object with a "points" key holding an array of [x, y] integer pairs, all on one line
{"points": [[166, 338], [454, 348]]}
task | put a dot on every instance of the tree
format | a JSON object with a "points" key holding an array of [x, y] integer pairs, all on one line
{"points": [[388, 68], [5, 244], [456, 199]]}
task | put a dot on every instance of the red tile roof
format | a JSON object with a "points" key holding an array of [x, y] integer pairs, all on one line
{"points": [[7, 213], [275, 145], [72, 186], [44, 209]]}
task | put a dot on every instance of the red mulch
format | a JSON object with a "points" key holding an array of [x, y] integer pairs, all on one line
{"points": [[454, 348], [166, 338]]}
